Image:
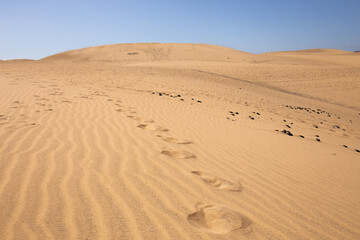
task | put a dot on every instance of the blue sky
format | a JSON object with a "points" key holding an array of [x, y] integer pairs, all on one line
{"points": [[35, 29]]}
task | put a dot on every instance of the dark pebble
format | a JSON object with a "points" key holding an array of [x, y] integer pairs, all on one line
{"points": [[287, 132]]}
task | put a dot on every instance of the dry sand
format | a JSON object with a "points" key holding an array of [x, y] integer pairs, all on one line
{"points": [[90, 150]]}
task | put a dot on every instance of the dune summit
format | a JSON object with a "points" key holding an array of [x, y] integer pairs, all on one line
{"points": [[180, 141], [145, 52]]}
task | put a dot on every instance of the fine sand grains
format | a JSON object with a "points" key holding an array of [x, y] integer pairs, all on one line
{"points": [[180, 141]]}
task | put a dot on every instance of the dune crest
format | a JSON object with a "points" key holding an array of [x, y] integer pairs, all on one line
{"points": [[147, 52]]}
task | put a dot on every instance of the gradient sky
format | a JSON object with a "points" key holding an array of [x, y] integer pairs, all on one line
{"points": [[35, 29]]}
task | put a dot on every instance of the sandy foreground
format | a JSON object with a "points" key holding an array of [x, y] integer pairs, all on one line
{"points": [[180, 141]]}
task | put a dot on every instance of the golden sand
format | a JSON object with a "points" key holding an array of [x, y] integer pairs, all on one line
{"points": [[180, 141]]}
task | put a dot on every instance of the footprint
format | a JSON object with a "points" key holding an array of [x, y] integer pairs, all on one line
{"points": [[152, 128], [182, 154], [219, 219], [134, 117], [174, 140], [218, 182]]}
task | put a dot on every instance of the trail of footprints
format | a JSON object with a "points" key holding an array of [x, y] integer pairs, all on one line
{"points": [[216, 219]]}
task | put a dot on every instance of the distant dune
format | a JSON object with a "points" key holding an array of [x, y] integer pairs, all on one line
{"points": [[149, 52], [17, 60], [318, 50]]}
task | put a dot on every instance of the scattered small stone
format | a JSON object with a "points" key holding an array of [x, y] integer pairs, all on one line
{"points": [[287, 132], [317, 136], [357, 150], [160, 94], [182, 99], [288, 126], [302, 136], [317, 139], [345, 146], [199, 101], [251, 118], [236, 113]]}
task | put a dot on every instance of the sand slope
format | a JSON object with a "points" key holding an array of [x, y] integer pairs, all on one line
{"points": [[181, 144], [149, 52]]}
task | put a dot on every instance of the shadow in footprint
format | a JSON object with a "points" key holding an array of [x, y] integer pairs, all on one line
{"points": [[134, 117], [219, 219], [152, 128], [174, 140], [218, 182], [182, 154]]}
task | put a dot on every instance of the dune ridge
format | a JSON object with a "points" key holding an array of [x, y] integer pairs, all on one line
{"points": [[143, 52]]}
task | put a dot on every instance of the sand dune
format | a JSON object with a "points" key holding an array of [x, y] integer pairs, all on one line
{"points": [[134, 52], [315, 51], [180, 141]]}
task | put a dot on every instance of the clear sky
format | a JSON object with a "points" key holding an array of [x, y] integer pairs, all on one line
{"points": [[38, 28]]}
